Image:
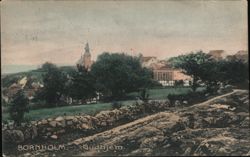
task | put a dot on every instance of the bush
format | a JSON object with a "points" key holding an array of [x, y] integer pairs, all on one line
{"points": [[179, 83], [18, 106], [116, 105], [144, 95], [191, 97]]}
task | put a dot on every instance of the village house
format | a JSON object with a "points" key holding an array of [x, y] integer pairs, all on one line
{"points": [[217, 54], [164, 73], [240, 55]]}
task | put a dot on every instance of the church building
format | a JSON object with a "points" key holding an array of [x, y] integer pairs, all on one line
{"points": [[85, 59]]}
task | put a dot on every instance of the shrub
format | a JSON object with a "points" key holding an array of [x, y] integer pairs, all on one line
{"points": [[18, 106], [116, 105], [144, 95], [179, 83], [191, 97]]}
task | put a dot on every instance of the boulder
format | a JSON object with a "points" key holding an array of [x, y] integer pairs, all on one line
{"points": [[58, 119], [54, 137], [53, 123], [85, 126], [69, 118], [61, 123], [69, 122], [44, 121], [13, 136]]}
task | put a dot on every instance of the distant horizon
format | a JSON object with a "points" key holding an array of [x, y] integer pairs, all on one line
{"points": [[16, 68]]}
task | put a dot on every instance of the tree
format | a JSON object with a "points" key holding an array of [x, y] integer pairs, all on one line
{"points": [[192, 65], [144, 95], [18, 106], [117, 74], [54, 82], [211, 75], [235, 72], [81, 86]]}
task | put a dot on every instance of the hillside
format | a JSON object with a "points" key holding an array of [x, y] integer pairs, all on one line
{"points": [[34, 75], [219, 126]]}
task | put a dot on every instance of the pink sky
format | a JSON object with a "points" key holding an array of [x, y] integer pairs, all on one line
{"points": [[56, 31]]}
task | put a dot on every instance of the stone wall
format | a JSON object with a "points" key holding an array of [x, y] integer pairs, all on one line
{"points": [[54, 127]]}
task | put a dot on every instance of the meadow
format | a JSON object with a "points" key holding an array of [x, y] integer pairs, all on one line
{"points": [[154, 94]]}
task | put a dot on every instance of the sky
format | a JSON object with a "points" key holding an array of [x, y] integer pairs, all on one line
{"points": [[33, 32]]}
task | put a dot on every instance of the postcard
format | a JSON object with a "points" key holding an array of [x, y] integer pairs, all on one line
{"points": [[124, 78]]}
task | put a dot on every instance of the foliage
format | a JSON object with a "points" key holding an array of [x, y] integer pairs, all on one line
{"points": [[116, 105], [40, 113], [234, 72], [178, 83], [191, 97], [191, 64], [117, 74], [81, 86], [18, 106], [144, 95], [54, 82], [212, 72]]}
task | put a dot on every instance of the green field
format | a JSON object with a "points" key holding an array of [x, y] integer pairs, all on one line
{"points": [[155, 94]]}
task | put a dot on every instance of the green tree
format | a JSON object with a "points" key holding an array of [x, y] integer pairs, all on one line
{"points": [[18, 107], [192, 65], [211, 75], [54, 84], [235, 72], [117, 74], [81, 86], [144, 95]]}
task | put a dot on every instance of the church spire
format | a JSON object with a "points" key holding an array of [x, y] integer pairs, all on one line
{"points": [[87, 48]]}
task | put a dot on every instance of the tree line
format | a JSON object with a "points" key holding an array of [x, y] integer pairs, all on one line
{"points": [[212, 73], [112, 76]]}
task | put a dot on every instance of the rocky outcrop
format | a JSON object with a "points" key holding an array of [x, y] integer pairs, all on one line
{"points": [[216, 127], [219, 126]]}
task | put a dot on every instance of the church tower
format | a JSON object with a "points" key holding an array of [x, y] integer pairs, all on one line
{"points": [[85, 59]]}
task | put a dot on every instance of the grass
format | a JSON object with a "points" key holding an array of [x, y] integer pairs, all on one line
{"points": [[162, 93], [155, 94]]}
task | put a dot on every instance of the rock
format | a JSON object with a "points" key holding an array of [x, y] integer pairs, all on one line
{"points": [[27, 154], [44, 121], [61, 123], [69, 122], [61, 131], [54, 137], [33, 122], [185, 102], [177, 103], [53, 123], [69, 117], [75, 120], [27, 134], [84, 120], [103, 123], [58, 119], [13, 136], [228, 87], [85, 126], [207, 95], [187, 152], [48, 133]]}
